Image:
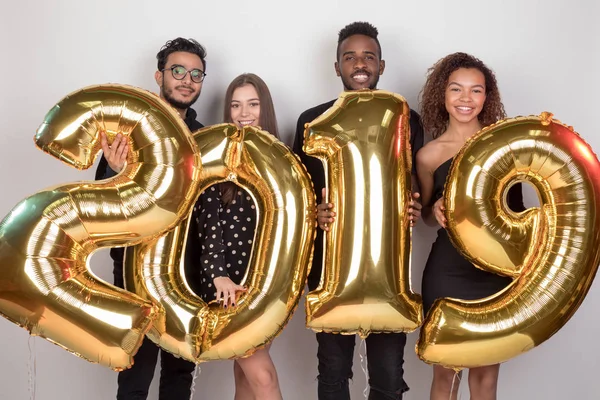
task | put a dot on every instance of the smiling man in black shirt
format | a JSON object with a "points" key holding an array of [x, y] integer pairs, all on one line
{"points": [[359, 65]]}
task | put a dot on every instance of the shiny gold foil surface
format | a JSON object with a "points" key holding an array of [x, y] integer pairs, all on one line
{"points": [[45, 241], [285, 201], [551, 251], [363, 141]]}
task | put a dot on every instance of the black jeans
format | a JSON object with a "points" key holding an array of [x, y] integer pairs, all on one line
{"points": [[385, 358], [175, 373]]}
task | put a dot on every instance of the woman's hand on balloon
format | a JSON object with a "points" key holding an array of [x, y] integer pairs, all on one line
{"points": [[438, 212], [227, 290]]}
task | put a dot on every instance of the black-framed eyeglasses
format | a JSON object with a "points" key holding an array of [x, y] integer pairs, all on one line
{"points": [[179, 72]]}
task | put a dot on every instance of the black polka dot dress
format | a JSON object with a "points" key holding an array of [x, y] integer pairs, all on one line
{"points": [[226, 234]]}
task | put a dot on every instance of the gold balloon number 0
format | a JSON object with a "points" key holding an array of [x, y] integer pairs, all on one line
{"points": [[46, 285], [551, 251], [276, 275]]}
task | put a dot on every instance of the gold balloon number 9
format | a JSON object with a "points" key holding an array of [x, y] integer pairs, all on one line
{"points": [[551, 251]]}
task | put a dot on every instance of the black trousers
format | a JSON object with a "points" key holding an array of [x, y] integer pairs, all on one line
{"points": [[385, 359], [175, 373], [385, 355]]}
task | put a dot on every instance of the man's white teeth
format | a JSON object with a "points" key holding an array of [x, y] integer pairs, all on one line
{"points": [[360, 77]]}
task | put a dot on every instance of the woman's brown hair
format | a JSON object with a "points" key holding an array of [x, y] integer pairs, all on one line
{"points": [[267, 120], [433, 96]]}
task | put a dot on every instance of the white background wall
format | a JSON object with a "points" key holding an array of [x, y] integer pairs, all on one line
{"points": [[545, 54]]}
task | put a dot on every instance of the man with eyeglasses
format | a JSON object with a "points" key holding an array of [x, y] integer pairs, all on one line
{"points": [[181, 66]]}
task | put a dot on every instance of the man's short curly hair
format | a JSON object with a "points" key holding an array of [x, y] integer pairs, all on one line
{"points": [[434, 115], [180, 44], [358, 28]]}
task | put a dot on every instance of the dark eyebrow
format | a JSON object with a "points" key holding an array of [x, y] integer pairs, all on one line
{"points": [[179, 65], [458, 84], [237, 101], [354, 52]]}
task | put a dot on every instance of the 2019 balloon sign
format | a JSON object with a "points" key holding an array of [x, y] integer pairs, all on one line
{"points": [[552, 251]]}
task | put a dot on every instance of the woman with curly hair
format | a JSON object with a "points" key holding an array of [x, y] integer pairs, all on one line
{"points": [[459, 98]]}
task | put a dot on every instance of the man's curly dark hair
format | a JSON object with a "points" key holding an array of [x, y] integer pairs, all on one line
{"points": [[180, 44], [358, 28], [433, 105]]}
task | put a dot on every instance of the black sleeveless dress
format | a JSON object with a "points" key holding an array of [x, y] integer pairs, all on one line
{"points": [[449, 274]]}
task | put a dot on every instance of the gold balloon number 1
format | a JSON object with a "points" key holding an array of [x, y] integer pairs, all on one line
{"points": [[363, 141]]}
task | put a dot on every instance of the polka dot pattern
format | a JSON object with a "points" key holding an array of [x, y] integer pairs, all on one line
{"points": [[225, 234]]}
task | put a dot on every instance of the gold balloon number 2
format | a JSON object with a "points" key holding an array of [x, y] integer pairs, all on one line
{"points": [[46, 285], [45, 241]]}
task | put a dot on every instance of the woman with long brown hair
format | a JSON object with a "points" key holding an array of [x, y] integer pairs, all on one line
{"points": [[460, 97], [226, 218]]}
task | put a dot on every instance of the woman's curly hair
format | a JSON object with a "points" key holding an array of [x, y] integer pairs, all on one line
{"points": [[433, 105]]}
